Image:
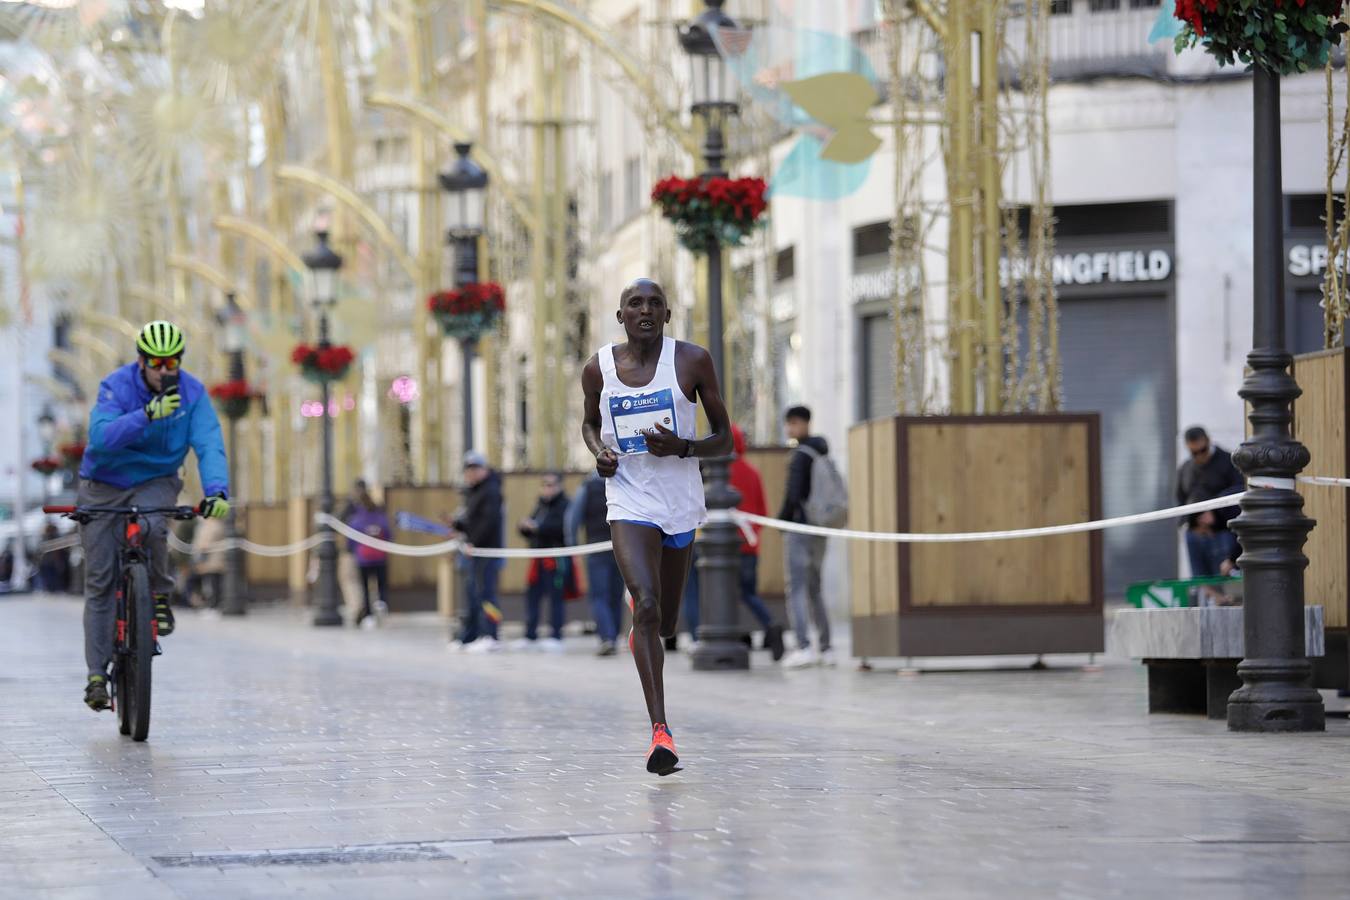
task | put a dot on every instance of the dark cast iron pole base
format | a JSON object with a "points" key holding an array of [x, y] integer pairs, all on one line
{"points": [[234, 586], [327, 589], [1277, 692], [720, 646]]}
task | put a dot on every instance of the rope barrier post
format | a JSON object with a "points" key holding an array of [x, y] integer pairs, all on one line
{"points": [[446, 587], [1277, 692]]}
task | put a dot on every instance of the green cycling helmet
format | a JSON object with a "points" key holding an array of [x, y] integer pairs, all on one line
{"points": [[160, 338]]}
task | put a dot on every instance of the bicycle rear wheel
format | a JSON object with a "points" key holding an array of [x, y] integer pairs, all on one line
{"points": [[140, 650]]}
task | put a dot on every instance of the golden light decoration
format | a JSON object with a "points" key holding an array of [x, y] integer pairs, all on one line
{"points": [[233, 47], [62, 25], [87, 216], [163, 122]]}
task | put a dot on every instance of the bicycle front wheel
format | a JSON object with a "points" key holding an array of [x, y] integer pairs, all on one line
{"points": [[140, 650]]}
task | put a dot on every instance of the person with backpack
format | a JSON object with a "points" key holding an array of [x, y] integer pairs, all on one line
{"points": [[367, 517], [815, 496]]}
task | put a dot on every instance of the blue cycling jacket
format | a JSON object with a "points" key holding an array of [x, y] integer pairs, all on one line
{"points": [[125, 448]]}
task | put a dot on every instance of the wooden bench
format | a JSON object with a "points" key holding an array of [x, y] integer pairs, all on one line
{"points": [[1192, 653]]}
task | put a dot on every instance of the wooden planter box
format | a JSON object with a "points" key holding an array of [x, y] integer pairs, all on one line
{"points": [[976, 473], [1319, 424]]}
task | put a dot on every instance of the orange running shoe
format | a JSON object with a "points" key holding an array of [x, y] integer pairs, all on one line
{"points": [[661, 758]]}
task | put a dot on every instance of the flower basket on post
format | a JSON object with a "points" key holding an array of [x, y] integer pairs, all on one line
{"points": [[46, 465], [321, 364], [1279, 36], [233, 398], [468, 312], [724, 210], [72, 455]]}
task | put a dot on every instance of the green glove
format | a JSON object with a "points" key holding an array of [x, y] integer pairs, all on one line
{"points": [[163, 406], [214, 507]]}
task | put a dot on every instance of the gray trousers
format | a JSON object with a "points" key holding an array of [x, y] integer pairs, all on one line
{"points": [[102, 539], [803, 556]]}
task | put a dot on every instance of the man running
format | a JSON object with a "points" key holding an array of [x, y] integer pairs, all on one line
{"points": [[148, 415], [641, 400]]}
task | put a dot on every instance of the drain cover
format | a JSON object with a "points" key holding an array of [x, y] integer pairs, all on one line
{"points": [[320, 856]]}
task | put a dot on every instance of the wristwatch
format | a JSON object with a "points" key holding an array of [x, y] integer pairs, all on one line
{"points": [[688, 448]]}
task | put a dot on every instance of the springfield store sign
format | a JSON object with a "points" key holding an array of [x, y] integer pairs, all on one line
{"points": [[1103, 267], [1311, 259]]}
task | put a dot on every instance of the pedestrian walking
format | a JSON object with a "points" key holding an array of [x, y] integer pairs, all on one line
{"points": [[587, 516], [640, 423], [54, 566], [372, 564], [545, 528], [814, 496], [1209, 473], [480, 524], [745, 478]]}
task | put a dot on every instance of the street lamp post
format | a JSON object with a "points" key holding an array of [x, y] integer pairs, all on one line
{"points": [[465, 184], [719, 545], [46, 425], [323, 264], [1277, 692], [235, 600]]}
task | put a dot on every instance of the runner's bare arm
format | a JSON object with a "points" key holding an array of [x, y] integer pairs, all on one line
{"points": [[592, 383], [664, 442]]}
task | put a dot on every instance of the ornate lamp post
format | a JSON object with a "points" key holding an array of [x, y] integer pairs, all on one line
{"points": [[46, 427], [719, 544], [465, 185], [323, 264], [235, 323], [1277, 692]]}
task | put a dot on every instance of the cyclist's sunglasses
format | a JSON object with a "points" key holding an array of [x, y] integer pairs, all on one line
{"points": [[170, 363]]}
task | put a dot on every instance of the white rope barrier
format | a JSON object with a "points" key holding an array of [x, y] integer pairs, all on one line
{"points": [[271, 550], [452, 546], [959, 537], [744, 521]]}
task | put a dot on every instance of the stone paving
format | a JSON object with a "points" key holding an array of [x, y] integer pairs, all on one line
{"points": [[285, 760]]}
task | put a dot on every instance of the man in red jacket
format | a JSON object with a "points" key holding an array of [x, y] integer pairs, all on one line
{"points": [[747, 482]]}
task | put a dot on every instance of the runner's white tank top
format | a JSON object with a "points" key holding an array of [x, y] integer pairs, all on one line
{"points": [[665, 491]]}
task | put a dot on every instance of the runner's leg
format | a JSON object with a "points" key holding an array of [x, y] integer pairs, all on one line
{"points": [[637, 548]]}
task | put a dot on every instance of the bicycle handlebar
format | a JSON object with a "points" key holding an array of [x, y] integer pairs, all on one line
{"points": [[176, 512]]}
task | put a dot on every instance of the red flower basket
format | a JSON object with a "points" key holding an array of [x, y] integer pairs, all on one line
{"points": [[1280, 36], [721, 210], [233, 397], [468, 312], [46, 465], [72, 454], [320, 364]]}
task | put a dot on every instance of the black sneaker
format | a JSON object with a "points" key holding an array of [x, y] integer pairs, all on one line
{"points": [[773, 639], [164, 614], [96, 693]]}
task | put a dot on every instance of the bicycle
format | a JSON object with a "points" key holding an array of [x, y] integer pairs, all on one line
{"points": [[136, 641]]}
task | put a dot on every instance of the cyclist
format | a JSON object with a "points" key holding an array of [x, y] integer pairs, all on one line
{"points": [[148, 414]]}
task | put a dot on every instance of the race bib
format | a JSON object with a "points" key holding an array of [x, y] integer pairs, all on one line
{"points": [[635, 413]]}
